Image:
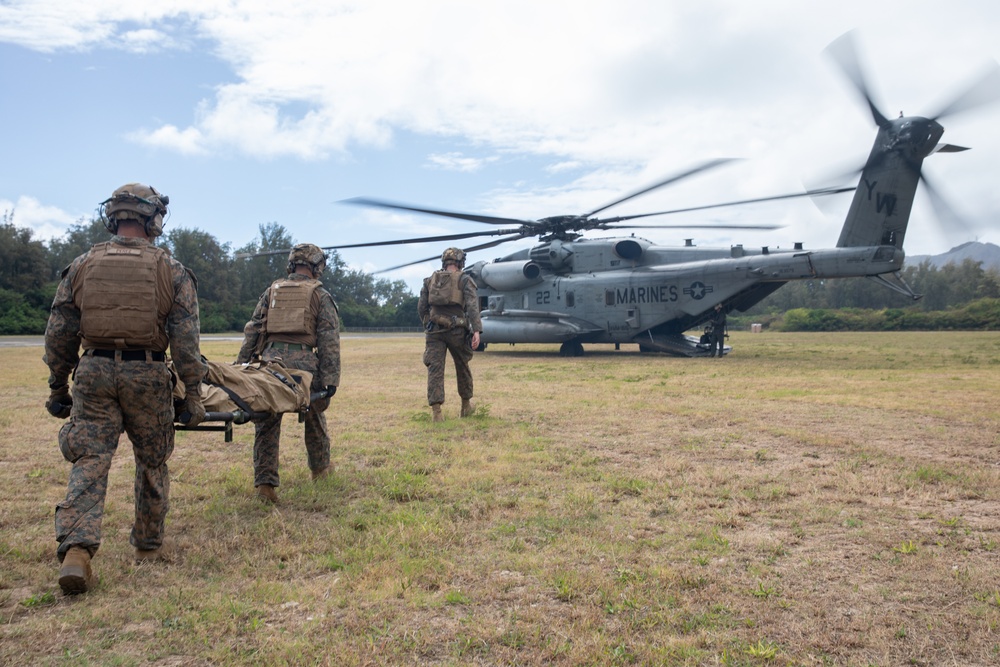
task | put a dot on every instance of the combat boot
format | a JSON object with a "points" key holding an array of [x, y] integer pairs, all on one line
{"points": [[75, 575], [467, 408], [320, 474], [436, 411], [163, 554], [266, 493]]}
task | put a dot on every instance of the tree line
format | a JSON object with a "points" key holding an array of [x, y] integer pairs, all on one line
{"points": [[228, 288], [959, 296], [956, 296]]}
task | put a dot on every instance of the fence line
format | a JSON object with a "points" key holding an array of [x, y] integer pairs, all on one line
{"points": [[381, 329]]}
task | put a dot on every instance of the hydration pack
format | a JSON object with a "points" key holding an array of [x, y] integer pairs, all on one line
{"points": [[444, 288]]}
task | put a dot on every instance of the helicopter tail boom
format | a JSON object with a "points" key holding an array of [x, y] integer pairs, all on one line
{"points": [[880, 210]]}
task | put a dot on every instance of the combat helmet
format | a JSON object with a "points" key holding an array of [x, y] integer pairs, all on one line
{"points": [[135, 201], [453, 256], [309, 255]]}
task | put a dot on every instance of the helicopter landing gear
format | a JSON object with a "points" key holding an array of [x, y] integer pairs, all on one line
{"points": [[571, 348]]}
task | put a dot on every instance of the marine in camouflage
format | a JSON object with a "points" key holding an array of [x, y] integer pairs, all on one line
{"points": [[323, 362], [442, 339], [113, 396]]}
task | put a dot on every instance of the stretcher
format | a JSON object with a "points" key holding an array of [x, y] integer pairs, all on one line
{"points": [[240, 393]]}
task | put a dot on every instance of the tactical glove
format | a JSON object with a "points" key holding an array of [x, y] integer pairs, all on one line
{"points": [[60, 403], [194, 410], [330, 390]]}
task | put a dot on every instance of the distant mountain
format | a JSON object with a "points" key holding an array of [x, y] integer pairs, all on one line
{"points": [[987, 253]]}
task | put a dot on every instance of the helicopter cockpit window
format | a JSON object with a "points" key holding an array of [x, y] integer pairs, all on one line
{"points": [[570, 299]]}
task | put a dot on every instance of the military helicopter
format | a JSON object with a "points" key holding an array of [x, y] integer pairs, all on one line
{"points": [[570, 290]]}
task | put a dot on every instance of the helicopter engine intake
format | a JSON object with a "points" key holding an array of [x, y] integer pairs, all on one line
{"points": [[554, 255], [511, 276], [629, 249]]}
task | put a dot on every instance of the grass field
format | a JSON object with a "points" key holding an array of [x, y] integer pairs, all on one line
{"points": [[812, 499]]}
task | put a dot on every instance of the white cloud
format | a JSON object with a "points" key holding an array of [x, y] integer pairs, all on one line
{"points": [[46, 222], [145, 41], [186, 142], [47, 26], [591, 82], [458, 162]]}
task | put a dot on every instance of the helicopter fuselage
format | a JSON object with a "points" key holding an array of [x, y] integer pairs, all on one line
{"points": [[629, 290]]}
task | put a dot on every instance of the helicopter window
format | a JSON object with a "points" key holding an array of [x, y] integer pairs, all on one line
{"points": [[609, 297], [570, 299], [484, 303]]}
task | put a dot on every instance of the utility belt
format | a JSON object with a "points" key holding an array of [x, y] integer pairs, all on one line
{"points": [[128, 355], [289, 346], [447, 322]]}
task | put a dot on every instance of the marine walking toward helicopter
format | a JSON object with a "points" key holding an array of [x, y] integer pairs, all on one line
{"points": [[449, 310], [296, 321], [125, 302]]}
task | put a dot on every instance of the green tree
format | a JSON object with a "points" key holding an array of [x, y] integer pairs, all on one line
{"points": [[367, 301], [78, 239], [255, 274], [18, 316], [23, 260], [218, 279], [25, 295], [210, 261]]}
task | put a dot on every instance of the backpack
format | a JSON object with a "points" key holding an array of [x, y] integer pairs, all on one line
{"points": [[445, 289]]}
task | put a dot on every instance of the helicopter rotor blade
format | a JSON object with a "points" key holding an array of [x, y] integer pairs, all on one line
{"points": [[705, 166], [482, 246], [845, 53], [705, 226], [809, 193], [263, 253], [425, 239], [473, 217], [983, 90], [955, 227]]}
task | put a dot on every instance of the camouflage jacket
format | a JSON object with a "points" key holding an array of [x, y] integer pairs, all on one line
{"points": [[62, 333], [470, 307], [327, 334]]}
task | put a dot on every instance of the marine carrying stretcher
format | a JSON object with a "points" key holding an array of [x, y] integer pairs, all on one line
{"points": [[239, 393]]}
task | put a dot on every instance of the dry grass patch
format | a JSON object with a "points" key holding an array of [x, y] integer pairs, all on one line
{"points": [[811, 499]]}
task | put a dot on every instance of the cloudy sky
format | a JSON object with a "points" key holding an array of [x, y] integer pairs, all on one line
{"points": [[250, 111]]}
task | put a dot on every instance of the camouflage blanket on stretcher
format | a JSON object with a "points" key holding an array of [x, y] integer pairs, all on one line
{"points": [[258, 387]]}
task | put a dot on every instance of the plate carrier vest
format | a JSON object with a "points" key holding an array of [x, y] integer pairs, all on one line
{"points": [[290, 317], [124, 294]]}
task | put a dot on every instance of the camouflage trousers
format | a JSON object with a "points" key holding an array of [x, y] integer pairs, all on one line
{"points": [[717, 341], [436, 350], [110, 397], [267, 432]]}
